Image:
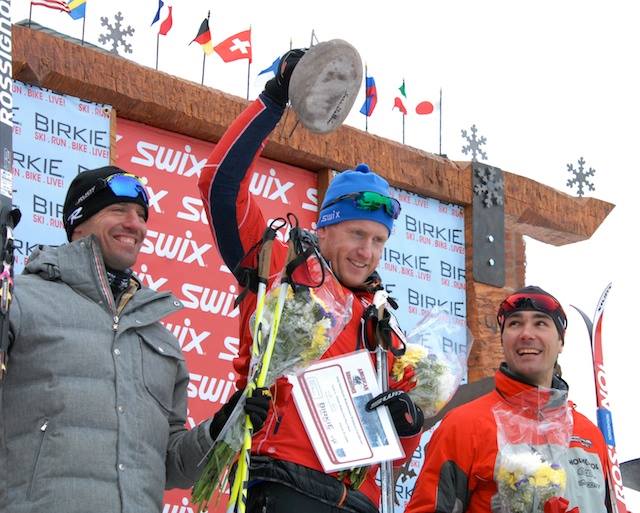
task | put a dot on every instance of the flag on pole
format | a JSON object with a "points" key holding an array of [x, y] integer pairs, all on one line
{"points": [[397, 104], [58, 5], [166, 25], [203, 38], [157, 16], [371, 99], [402, 90], [77, 8], [424, 108], [235, 47], [271, 69]]}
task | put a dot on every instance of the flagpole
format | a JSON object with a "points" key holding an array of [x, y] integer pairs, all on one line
{"points": [[30, 8], [366, 101], [204, 56], [157, 49], [405, 108], [248, 75], [440, 131], [84, 19]]}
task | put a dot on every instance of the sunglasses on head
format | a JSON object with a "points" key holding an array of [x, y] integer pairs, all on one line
{"points": [[123, 185], [127, 185], [539, 302], [371, 201]]}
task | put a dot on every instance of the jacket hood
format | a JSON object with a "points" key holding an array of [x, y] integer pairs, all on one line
{"points": [[78, 264]]}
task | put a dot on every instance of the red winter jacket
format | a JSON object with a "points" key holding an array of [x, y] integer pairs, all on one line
{"points": [[460, 461], [237, 224]]}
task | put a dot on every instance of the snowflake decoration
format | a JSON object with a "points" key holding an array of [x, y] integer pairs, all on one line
{"points": [[116, 34], [474, 144], [491, 187], [580, 177]]}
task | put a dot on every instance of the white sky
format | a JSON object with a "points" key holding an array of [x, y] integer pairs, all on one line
{"points": [[545, 82]]}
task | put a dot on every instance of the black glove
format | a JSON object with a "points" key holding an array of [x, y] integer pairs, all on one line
{"points": [[256, 407], [406, 415], [278, 87]]}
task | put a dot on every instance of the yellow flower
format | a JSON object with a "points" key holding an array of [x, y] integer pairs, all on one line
{"points": [[318, 343], [412, 356]]}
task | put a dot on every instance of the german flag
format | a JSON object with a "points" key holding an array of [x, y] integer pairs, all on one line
{"points": [[204, 36]]}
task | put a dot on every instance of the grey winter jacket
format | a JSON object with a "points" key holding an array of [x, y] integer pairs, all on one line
{"points": [[93, 406]]}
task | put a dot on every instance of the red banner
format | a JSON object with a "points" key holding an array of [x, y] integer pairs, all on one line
{"points": [[179, 255]]}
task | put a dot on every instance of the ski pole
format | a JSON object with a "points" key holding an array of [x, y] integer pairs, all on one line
{"points": [[238, 498], [382, 369], [263, 269]]}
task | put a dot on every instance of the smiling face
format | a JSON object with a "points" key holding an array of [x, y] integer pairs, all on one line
{"points": [[120, 229], [531, 345], [354, 249]]}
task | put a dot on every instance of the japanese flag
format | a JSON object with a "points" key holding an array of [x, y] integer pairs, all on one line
{"points": [[235, 47]]}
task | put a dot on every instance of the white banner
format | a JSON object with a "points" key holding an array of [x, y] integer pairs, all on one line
{"points": [[55, 137]]}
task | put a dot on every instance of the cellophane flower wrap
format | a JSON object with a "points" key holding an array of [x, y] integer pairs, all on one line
{"points": [[435, 360], [534, 430], [311, 320]]}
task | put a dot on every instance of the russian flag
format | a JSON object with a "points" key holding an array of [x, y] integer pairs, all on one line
{"points": [[371, 97]]}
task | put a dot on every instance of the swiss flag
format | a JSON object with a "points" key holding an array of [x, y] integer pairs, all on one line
{"points": [[235, 47]]}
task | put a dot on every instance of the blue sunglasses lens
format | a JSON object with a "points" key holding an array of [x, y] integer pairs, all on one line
{"points": [[128, 186]]}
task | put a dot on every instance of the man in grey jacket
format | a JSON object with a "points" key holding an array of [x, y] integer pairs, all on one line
{"points": [[93, 405]]}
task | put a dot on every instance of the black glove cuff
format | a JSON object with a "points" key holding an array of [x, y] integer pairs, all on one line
{"points": [[276, 93], [406, 415]]}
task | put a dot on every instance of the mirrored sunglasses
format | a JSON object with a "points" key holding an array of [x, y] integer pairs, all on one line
{"points": [[126, 185], [371, 201]]}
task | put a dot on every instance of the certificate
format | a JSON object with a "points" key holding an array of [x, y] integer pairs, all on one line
{"points": [[330, 396]]}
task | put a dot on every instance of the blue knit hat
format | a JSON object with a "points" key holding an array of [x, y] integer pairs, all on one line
{"points": [[360, 179]]}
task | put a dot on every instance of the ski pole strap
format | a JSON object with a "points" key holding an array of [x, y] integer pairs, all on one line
{"points": [[384, 331], [303, 278], [253, 268], [297, 271], [246, 275]]}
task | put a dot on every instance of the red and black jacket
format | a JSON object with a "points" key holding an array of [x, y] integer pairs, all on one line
{"points": [[237, 224]]}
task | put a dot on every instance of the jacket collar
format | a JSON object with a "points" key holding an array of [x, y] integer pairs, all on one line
{"points": [[79, 264], [514, 390]]}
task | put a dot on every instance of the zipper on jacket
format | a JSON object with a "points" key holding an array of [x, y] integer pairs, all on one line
{"points": [[34, 473], [102, 276]]}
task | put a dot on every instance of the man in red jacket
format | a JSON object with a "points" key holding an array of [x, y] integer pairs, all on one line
{"points": [[285, 473], [466, 459]]}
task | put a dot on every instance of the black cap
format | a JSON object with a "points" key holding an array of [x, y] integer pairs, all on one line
{"points": [[534, 299], [88, 194]]}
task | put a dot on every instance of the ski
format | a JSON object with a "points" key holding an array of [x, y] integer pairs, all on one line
{"points": [[9, 216], [605, 421]]}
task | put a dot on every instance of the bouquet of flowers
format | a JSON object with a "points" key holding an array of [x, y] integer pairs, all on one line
{"points": [[533, 436], [311, 320], [435, 360], [526, 480]]}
